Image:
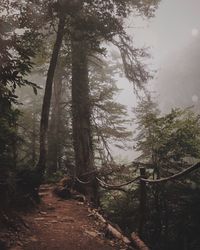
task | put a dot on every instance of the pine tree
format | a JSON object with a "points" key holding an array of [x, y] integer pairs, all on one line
{"points": [[109, 118], [166, 141]]}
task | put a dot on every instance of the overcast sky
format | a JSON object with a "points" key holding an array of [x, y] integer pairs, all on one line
{"points": [[175, 26], [173, 30]]}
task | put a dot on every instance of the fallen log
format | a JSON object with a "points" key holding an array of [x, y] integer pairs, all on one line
{"points": [[135, 239], [115, 232], [138, 242]]}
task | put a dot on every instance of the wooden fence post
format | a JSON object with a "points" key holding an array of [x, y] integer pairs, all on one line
{"points": [[142, 204]]}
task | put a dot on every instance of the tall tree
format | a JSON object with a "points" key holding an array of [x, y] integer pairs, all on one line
{"points": [[146, 114], [109, 118], [28, 128], [89, 23], [41, 165], [60, 118], [93, 23]]}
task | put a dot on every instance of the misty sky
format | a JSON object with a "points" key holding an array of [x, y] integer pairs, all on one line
{"points": [[175, 27], [173, 36], [176, 23]]}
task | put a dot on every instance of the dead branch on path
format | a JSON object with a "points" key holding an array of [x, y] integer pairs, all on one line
{"points": [[116, 233], [135, 239]]}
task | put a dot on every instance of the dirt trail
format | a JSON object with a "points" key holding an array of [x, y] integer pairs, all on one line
{"points": [[62, 224]]}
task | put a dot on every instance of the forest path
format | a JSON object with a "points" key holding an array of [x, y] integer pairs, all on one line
{"points": [[62, 224]]}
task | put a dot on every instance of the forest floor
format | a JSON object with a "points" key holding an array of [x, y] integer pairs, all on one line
{"points": [[61, 224]]}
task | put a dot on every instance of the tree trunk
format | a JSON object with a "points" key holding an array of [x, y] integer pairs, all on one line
{"points": [[54, 137], [81, 114], [47, 97], [34, 136]]}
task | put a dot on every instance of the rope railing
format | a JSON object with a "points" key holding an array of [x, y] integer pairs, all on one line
{"points": [[117, 186], [173, 177], [176, 176]]}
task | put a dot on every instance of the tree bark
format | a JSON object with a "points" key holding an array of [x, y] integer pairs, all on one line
{"points": [[81, 114], [47, 97]]}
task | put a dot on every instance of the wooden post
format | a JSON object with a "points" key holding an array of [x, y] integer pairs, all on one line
{"points": [[142, 205]]}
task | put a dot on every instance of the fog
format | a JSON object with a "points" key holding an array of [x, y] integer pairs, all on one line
{"points": [[178, 82], [176, 52], [173, 41]]}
